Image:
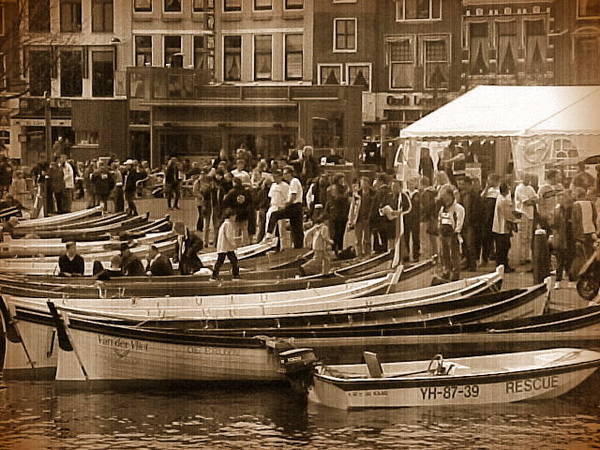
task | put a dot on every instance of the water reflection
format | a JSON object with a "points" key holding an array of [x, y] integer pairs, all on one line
{"points": [[38, 414]]}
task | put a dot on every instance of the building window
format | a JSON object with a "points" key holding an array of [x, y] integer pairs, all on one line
{"points": [[71, 73], [203, 5], [536, 41], [293, 57], [232, 5], [102, 16], [507, 47], [479, 45], [4, 138], [142, 5], [588, 8], [263, 57], [402, 63], [102, 73], [2, 21], [359, 75], [437, 72], [39, 16], [172, 5], [587, 59], [40, 71], [232, 58], [70, 16], [172, 54], [564, 150], [330, 73], [344, 35], [294, 4], [418, 10], [201, 54], [143, 51], [263, 5]]}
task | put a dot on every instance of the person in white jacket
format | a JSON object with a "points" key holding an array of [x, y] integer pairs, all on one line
{"points": [[227, 243]]}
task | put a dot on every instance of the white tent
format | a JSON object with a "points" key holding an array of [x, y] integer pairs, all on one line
{"points": [[537, 119]]}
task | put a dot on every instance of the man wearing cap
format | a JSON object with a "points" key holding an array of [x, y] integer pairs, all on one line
{"points": [[130, 264], [71, 264], [158, 264]]}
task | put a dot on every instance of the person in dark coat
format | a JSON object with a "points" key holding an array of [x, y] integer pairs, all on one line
{"points": [[56, 186], [131, 176], [381, 226], [130, 264], [103, 183], [412, 222], [71, 264], [173, 177], [113, 271], [158, 264], [336, 209], [310, 166], [189, 260]]}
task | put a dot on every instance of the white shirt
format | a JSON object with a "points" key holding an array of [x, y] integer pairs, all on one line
{"points": [[245, 176], [278, 193], [295, 188], [68, 176], [522, 194]]}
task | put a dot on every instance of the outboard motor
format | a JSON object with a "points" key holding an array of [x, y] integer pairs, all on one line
{"points": [[297, 365], [588, 281]]}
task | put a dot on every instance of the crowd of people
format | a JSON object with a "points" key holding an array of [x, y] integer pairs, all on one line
{"points": [[242, 199]]}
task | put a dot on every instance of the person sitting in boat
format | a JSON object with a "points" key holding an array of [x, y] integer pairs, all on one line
{"points": [[158, 264], [9, 226], [113, 271], [130, 264], [71, 264]]}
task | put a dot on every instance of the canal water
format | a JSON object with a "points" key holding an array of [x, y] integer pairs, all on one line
{"points": [[41, 415]]}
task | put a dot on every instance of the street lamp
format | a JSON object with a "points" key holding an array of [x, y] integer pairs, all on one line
{"points": [[48, 125]]}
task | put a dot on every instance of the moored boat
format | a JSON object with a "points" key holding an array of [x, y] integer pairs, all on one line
{"points": [[60, 218], [476, 380]]}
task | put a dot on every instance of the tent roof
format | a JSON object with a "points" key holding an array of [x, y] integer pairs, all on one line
{"points": [[494, 111]]}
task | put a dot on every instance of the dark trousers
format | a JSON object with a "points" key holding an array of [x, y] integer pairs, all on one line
{"points": [[292, 212], [200, 221], [450, 255], [564, 259], [502, 247], [488, 244], [173, 193], [338, 228], [380, 240], [130, 198], [412, 231], [235, 268], [470, 249], [119, 199]]}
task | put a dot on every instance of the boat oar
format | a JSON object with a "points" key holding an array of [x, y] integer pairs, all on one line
{"points": [[12, 330]]}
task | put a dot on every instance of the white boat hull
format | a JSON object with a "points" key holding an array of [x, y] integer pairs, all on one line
{"points": [[109, 358], [529, 388]]}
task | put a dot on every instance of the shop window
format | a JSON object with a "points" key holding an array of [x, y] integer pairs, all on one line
{"points": [[402, 63], [172, 5], [40, 71], [293, 57], [39, 16], [233, 58], [83, 137], [102, 16], [263, 5], [294, 4], [479, 45], [330, 73], [535, 32], [437, 70], [70, 16], [202, 57], [103, 73], [173, 51], [137, 85], [232, 5], [507, 47], [142, 5], [143, 51], [588, 8], [418, 10], [71, 73], [587, 59], [4, 138], [344, 31], [262, 57], [359, 75]]}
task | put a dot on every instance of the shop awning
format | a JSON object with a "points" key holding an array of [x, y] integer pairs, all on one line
{"points": [[495, 111]]}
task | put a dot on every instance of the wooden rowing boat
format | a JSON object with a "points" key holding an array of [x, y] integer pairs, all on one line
{"points": [[60, 218], [34, 248], [36, 348], [49, 265], [7, 213], [91, 222], [476, 380]]}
